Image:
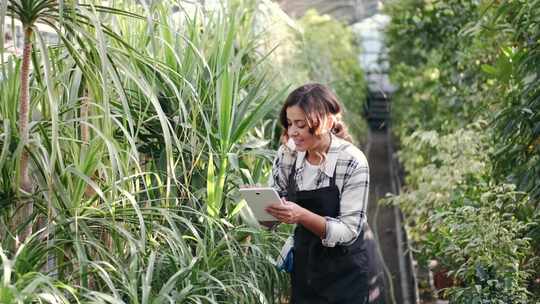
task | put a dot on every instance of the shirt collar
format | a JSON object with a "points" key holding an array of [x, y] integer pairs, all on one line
{"points": [[331, 157]]}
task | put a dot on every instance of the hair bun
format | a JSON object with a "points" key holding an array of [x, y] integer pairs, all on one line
{"points": [[340, 130]]}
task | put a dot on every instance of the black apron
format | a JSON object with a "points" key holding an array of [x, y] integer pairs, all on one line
{"points": [[325, 275]]}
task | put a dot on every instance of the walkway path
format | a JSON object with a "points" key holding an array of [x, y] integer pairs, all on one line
{"points": [[386, 223]]}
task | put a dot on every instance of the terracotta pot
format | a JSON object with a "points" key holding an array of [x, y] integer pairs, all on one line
{"points": [[441, 279]]}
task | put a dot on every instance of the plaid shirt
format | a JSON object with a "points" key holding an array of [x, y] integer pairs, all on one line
{"points": [[352, 179]]}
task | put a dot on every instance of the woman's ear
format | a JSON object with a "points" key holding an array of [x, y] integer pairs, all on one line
{"points": [[330, 121]]}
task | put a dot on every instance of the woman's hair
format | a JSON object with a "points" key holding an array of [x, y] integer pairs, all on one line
{"points": [[318, 103]]}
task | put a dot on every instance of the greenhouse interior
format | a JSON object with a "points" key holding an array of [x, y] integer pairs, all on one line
{"points": [[272, 152]]}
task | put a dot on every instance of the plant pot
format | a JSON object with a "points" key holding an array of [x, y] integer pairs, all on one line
{"points": [[442, 280]]}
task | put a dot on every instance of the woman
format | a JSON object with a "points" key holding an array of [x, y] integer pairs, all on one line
{"points": [[324, 182]]}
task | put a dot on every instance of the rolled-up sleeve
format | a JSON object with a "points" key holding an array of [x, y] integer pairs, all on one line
{"points": [[344, 229]]}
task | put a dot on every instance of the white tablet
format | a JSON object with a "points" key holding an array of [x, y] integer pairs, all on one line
{"points": [[258, 199]]}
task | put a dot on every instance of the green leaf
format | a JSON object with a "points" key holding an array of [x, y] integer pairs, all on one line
{"points": [[239, 206], [211, 187], [490, 70]]}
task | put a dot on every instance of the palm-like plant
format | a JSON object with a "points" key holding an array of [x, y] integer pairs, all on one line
{"points": [[28, 12], [213, 91], [69, 20], [125, 238]]}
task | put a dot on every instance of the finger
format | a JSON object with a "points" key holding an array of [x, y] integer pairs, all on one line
{"points": [[275, 214], [280, 219], [280, 215], [288, 203], [279, 206], [276, 204], [277, 210]]}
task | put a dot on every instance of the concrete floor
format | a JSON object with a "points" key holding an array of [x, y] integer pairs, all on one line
{"points": [[385, 222]]}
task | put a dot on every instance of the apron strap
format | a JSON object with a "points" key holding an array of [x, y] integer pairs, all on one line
{"points": [[333, 184], [291, 183], [333, 178]]}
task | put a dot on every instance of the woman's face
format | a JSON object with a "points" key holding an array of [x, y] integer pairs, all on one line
{"points": [[298, 130]]}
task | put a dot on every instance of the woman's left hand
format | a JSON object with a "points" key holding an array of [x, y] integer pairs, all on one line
{"points": [[286, 212]]}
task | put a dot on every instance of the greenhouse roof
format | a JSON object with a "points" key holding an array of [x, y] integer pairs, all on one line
{"points": [[349, 11]]}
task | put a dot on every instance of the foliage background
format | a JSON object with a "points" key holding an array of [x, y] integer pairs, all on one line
{"points": [[144, 120], [330, 56], [466, 114]]}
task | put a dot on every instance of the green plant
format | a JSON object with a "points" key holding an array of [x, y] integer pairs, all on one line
{"points": [[458, 62], [517, 122], [330, 53], [475, 229], [110, 228], [144, 120], [485, 242], [67, 21]]}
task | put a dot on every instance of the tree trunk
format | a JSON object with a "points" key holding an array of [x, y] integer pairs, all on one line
{"points": [[85, 109], [25, 209]]}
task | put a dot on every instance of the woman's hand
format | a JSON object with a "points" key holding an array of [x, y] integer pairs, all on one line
{"points": [[286, 212]]}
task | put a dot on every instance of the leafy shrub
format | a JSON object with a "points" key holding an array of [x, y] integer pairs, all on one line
{"points": [[119, 213], [483, 242], [474, 228], [457, 63], [330, 53]]}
